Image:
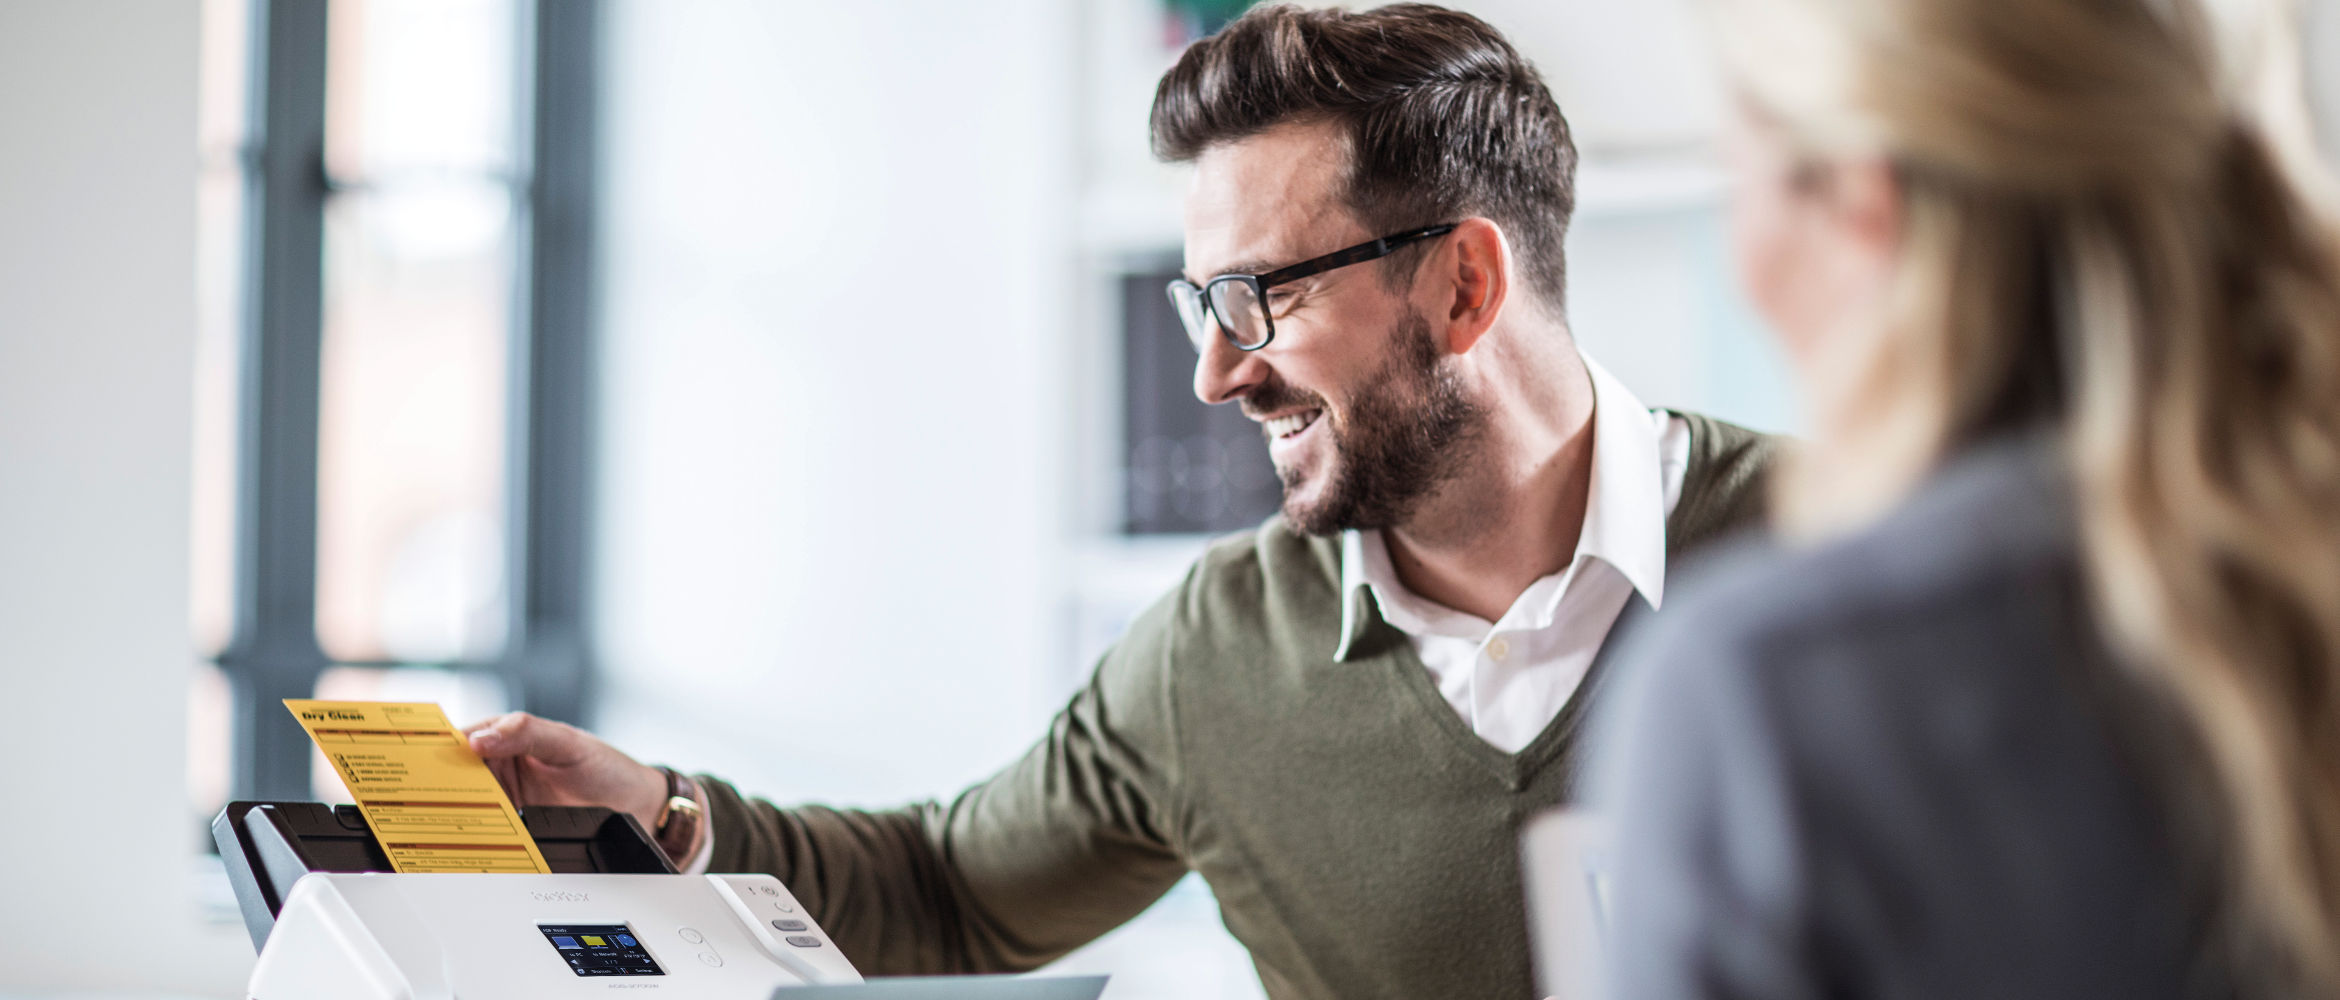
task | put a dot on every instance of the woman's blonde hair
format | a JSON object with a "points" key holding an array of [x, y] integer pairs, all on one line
{"points": [[2097, 237]]}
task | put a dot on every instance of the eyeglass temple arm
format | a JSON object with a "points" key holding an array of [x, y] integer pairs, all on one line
{"points": [[1358, 254]]}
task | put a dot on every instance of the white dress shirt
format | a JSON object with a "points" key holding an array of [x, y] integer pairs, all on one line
{"points": [[1510, 678]]}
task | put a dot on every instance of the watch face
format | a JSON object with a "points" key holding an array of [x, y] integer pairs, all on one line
{"points": [[678, 827], [681, 797]]}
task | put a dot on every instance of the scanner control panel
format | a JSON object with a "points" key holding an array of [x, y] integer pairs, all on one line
{"points": [[601, 949]]}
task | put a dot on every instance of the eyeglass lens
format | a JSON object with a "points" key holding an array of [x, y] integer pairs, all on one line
{"points": [[1239, 310], [1232, 302], [1188, 300]]}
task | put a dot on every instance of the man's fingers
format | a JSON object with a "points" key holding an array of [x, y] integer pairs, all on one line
{"points": [[542, 762], [496, 731], [485, 723], [520, 734], [507, 774]]}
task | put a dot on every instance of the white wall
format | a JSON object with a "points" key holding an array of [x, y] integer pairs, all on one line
{"points": [[2320, 57], [1630, 76], [97, 248], [833, 284]]}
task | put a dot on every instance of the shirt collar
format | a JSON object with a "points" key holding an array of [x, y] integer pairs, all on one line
{"points": [[1624, 518]]}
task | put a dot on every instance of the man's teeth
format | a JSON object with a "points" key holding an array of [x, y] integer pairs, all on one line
{"points": [[1288, 426]]}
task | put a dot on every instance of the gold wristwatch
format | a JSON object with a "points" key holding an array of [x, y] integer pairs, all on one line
{"points": [[678, 821]]}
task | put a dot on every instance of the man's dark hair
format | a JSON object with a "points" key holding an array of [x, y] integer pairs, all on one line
{"points": [[1443, 117]]}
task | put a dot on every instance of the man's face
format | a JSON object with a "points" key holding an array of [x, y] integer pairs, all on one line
{"points": [[1364, 409]]}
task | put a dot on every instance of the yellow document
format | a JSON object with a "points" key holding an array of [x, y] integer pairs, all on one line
{"points": [[431, 802]]}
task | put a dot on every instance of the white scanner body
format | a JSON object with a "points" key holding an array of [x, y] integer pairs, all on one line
{"points": [[381, 936]]}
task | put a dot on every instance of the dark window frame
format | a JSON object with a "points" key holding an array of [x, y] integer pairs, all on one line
{"points": [[273, 652]]}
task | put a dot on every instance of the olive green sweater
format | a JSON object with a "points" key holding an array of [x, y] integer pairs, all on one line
{"points": [[1361, 840]]}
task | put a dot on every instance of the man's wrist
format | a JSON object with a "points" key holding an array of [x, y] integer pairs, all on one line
{"points": [[649, 804]]}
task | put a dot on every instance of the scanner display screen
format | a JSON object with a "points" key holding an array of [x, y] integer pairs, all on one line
{"points": [[601, 949]]}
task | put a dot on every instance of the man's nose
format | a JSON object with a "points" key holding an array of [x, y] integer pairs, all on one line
{"points": [[1222, 373]]}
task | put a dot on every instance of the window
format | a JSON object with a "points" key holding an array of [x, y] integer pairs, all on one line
{"points": [[392, 431]]}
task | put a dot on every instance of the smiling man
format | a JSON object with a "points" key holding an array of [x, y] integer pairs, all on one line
{"points": [[1340, 719]]}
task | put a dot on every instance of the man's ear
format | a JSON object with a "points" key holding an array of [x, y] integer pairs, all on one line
{"points": [[1473, 281]]}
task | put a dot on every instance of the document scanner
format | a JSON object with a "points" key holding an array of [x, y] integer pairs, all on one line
{"points": [[614, 920]]}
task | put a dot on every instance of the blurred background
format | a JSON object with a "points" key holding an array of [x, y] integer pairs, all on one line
{"points": [[782, 389]]}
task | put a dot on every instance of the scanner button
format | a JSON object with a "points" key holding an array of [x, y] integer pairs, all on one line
{"points": [[804, 941], [790, 925], [710, 960], [692, 935], [784, 907]]}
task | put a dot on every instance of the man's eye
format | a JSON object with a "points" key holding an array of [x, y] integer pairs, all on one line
{"points": [[1281, 299]]}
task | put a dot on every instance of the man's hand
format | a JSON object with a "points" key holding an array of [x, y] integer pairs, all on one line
{"points": [[545, 763]]}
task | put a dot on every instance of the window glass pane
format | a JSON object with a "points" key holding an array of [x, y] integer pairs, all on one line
{"points": [[419, 262], [208, 741], [220, 96], [420, 87], [219, 205], [466, 696], [411, 486]]}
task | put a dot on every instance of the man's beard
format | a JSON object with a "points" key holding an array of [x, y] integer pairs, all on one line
{"points": [[1410, 428]]}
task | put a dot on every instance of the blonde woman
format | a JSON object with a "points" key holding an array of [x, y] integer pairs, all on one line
{"points": [[2040, 694]]}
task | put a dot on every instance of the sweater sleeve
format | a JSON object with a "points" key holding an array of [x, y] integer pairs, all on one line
{"points": [[1065, 844]]}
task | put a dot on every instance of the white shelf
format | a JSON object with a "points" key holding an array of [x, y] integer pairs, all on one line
{"points": [[1624, 187]]}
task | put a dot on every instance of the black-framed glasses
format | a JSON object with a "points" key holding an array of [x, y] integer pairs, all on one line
{"points": [[1239, 302]]}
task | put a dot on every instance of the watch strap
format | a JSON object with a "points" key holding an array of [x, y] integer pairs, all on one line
{"points": [[679, 819]]}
